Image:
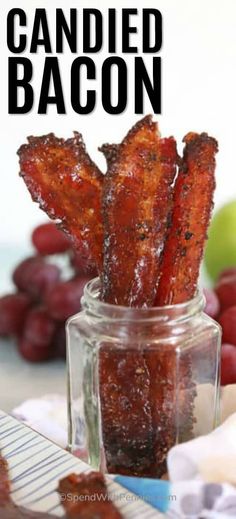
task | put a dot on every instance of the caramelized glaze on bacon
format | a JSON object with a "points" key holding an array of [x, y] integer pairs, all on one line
{"points": [[182, 255], [62, 178], [95, 503], [137, 202], [127, 430], [153, 246], [136, 205], [193, 201]]}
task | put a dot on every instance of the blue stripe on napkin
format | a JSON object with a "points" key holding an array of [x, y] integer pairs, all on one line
{"points": [[154, 491]]}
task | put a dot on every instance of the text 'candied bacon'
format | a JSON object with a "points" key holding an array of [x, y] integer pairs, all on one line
{"points": [[136, 205], [62, 178], [193, 201]]}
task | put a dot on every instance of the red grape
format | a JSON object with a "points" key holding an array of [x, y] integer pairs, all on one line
{"points": [[48, 239], [226, 292], [228, 322], [212, 307], [35, 276], [80, 267], [227, 273], [39, 327], [63, 300], [228, 364], [34, 352], [13, 310], [20, 273], [59, 342]]}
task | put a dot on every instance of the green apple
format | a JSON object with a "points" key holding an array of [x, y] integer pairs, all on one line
{"points": [[221, 246]]}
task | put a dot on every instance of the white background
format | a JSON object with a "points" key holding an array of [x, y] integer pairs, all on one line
{"points": [[198, 94]]}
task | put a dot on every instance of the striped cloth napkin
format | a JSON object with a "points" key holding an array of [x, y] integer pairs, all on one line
{"points": [[202, 471]]}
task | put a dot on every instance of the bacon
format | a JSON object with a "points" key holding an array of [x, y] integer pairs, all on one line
{"points": [[126, 411], [136, 205], [178, 280], [154, 234], [110, 151], [62, 178], [139, 390], [193, 202], [171, 395], [85, 496], [137, 201]]}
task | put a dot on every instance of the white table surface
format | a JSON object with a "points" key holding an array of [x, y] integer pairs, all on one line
{"points": [[20, 380]]}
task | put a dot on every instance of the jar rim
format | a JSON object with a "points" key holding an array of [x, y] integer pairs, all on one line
{"points": [[177, 311]]}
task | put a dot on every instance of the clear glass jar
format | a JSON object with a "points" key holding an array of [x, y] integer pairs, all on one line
{"points": [[136, 380]]}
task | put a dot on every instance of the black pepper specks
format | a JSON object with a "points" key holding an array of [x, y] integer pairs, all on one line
{"points": [[188, 235]]}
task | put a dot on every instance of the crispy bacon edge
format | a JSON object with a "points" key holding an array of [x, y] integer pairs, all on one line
{"points": [[136, 205], [193, 202], [66, 183], [96, 500]]}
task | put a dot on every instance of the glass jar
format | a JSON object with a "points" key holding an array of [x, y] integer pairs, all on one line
{"points": [[139, 381]]}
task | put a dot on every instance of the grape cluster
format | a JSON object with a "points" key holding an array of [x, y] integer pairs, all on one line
{"points": [[221, 305], [36, 313]]}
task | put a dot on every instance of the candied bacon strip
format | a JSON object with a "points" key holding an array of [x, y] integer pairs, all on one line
{"points": [[136, 203], [139, 390], [193, 201], [128, 436], [110, 151], [62, 178], [171, 389], [95, 502], [179, 272]]}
